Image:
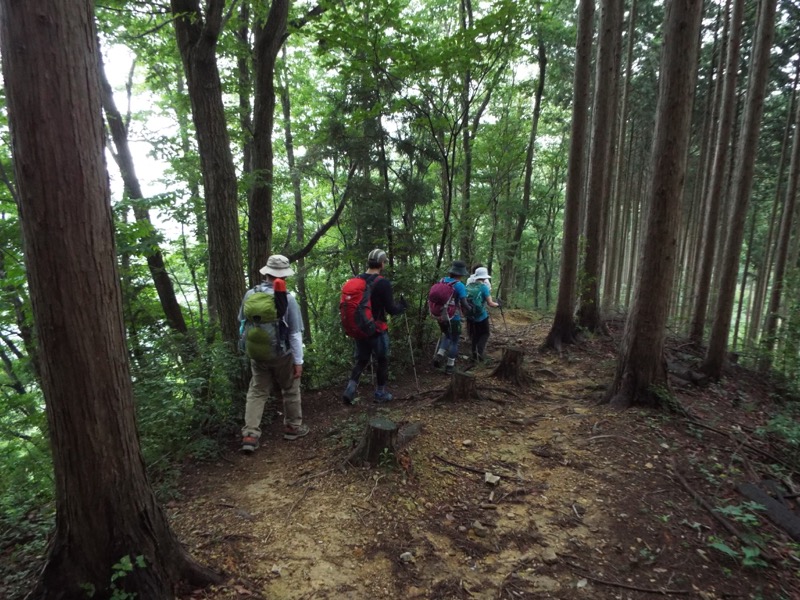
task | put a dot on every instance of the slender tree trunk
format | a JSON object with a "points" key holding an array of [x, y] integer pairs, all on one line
{"points": [[745, 166], [268, 41], [745, 273], [155, 260], [105, 507], [465, 231], [604, 109], [782, 250], [197, 41], [641, 368], [563, 330], [718, 171], [769, 255], [300, 232]]}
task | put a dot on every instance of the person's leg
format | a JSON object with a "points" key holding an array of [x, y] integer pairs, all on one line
{"points": [[454, 335], [444, 344], [381, 353], [362, 355], [257, 394], [482, 336], [472, 328], [283, 371]]}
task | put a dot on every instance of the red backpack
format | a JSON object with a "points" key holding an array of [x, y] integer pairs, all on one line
{"points": [[355, 308], [441, 303]]}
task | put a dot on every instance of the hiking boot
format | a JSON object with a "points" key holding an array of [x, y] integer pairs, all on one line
{"points": [[349, 394], [291, 432], [249, 444], [437, 361], [382, 397], [448, 370]]}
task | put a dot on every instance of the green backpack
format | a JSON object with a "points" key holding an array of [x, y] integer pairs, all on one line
{"points": [[475, 301], [264, 330]]}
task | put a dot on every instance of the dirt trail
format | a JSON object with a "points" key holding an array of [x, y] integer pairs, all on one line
{"points": [[584, 497]]}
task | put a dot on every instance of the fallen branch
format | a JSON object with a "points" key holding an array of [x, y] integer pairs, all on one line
{"points": [[312, 476], [627, 586], [299, 500], [714, 513], [477, 470]]}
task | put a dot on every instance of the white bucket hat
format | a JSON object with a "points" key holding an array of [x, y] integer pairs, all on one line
{"points": [[482, 273], [277, 266]]}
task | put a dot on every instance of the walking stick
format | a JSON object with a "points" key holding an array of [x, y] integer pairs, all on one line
{"points": [[411, 349], [502, 314]]}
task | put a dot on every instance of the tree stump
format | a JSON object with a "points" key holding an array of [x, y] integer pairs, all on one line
{"points": [[378, 443], [510, 367], [462, 387]]}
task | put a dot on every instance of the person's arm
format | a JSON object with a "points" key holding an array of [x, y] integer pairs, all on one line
{"points": [[487, 295], [460, 291], [295, 323], [383, 296]]}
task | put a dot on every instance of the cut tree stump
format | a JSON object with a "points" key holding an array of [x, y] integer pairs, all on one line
{"points": [[462, 388], [510, 367], [378, 443]]}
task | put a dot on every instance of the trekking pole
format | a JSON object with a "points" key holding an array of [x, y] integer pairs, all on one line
{"points": [[502, 314], [411, 349]]}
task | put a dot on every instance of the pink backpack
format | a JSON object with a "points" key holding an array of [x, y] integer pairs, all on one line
{"points": [[441, 303]]}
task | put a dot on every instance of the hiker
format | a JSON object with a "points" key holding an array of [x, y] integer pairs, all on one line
{"points": [[480, 296], [446, 302], [274, 343], [366, 300]]}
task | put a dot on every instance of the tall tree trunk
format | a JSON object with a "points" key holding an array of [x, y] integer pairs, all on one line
{"points": [[754, 325], [782, 250], [563, 330], [294, 173], [105, 507], [268, 41], [197, 42], [745, 276], [465, 231], [745, 166], [513, 249], [155, 260], [641, 368], [718, 171], [603, 111]]}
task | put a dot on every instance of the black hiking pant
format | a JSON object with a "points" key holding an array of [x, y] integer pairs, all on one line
{"points": [[478, 335]]}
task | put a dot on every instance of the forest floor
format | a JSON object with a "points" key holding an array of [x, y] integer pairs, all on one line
{"points": [[589, 503]]}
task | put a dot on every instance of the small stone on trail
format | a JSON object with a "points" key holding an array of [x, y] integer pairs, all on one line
{"points": [[479, 529], [490, 478], [549, 556], [407, 557], [467, 443], [461, 528], [276, 570]]}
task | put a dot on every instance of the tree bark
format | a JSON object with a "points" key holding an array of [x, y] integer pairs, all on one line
{"points": [[782, 250], [378, 444], [269, 38], [510, 367], [714, 198], [641, 366], [743, 183], [197, 41], [603, 114], [105, 507], [564, 330]]}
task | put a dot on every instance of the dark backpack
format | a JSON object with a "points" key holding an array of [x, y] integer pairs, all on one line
{"points": [[475, 301], [355, 307], [441, 301], [265, 334]]}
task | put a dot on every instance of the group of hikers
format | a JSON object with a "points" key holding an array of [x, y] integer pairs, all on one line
{"points": [[271, 330]]}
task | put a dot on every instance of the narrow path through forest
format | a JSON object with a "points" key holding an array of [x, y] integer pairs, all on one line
{"points": [[587, 505]]}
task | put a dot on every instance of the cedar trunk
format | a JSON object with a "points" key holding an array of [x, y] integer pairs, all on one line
{"points": [[563, 330], [268, 40], [105, 507], [743, 183], [641, 367], [603, 117], [197, 42]]}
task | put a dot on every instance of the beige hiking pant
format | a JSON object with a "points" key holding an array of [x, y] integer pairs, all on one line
{"points": [[265, 376]]}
